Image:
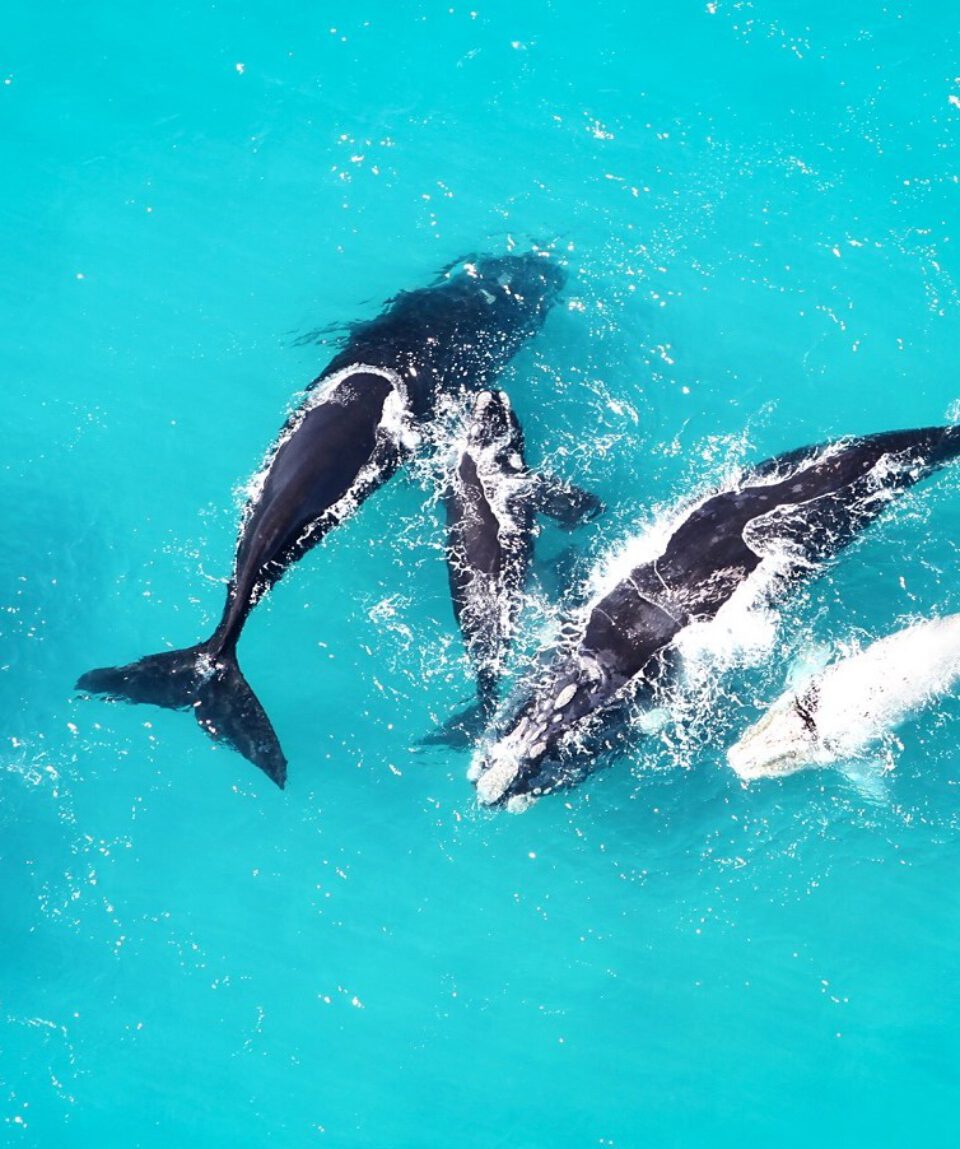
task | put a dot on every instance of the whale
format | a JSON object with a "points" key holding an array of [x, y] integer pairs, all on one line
{"points": [[360, 419], [837, 714], [491, 499], [777, 522]]}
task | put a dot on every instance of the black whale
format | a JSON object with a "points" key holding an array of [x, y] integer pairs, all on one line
{"points": [[491, 500], [357, 425], [814, 500]]}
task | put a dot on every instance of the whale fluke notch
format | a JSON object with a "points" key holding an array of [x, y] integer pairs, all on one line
{"points": [[213, 687]]}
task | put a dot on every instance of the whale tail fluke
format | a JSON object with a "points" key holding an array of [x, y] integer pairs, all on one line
{"points": [[213, 687]]}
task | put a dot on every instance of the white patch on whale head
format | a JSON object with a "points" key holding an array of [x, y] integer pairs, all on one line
{"points": [[496, 767], [565, 696], [494, 782]]}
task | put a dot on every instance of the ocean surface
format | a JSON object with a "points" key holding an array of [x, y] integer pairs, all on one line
{"points": [[757, 205]]}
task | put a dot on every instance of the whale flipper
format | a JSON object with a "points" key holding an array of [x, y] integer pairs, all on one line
{"points": [[461, 730], [213, 687], [565, 503]]}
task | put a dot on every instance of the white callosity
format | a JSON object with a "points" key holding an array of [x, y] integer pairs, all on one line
{"points": [[503, 763], [496, 766], [565, 696], [855, 702]]}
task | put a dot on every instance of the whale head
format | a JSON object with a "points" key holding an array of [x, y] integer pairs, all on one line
{"points": [[537, 750], [783, 741], [493, 424], [533, 278], [457, 333], [510, 295]]}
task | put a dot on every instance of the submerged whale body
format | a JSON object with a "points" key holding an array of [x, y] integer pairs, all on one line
{"points": [[803, 507], [356, 426], [491, 500]]}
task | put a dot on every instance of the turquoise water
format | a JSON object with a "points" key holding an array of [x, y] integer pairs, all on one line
{"points": [[756, 203]]}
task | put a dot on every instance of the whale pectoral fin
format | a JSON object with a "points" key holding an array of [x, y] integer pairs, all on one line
{"points": [[461, 730], [868, 775], [567, 504]]}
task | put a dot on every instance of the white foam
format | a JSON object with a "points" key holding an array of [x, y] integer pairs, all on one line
{"points": [[741, 633]]}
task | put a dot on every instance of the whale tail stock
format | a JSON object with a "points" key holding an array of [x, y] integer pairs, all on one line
{"points": [[212, 686]]}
